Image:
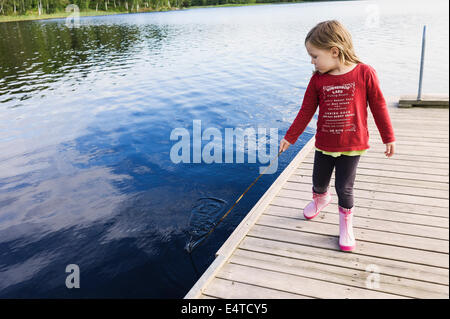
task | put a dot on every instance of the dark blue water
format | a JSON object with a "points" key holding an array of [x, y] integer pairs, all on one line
{"points": [[86, 114]]}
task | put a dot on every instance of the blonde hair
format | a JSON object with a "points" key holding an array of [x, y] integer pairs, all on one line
{"points": [[332, 33]]}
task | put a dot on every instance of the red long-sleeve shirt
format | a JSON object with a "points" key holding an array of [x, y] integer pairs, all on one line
{"points": [[342, 101]]}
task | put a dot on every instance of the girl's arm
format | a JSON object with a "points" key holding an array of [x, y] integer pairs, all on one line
{"points": [[304, 116], [378, 107]]}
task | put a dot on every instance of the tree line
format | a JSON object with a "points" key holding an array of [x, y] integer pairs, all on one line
{"points": [[23, 7]]}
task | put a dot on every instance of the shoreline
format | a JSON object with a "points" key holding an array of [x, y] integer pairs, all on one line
{"points": [[93, 13]]}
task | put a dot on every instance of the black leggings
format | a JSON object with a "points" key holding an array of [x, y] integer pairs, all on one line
{"points": [[344, 176]]}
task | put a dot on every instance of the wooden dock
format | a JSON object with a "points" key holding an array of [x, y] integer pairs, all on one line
{"points": [[401, 226], [427, 100]]}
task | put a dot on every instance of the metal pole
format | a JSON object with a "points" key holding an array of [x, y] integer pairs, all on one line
{"points": [[419, 94]]}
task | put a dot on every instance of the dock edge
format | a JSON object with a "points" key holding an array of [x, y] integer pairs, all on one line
{"points": [[229, 246]]}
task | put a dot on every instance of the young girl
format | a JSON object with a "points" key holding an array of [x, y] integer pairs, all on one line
{"points": [[341, 86]]}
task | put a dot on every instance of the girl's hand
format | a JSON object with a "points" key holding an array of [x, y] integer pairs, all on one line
{"points": [[284, 145], [389, 149]]}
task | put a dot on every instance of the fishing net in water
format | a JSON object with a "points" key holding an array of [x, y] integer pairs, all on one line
{"points": [[205, 214]]}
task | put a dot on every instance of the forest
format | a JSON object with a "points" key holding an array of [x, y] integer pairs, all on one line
{"points": [[38, 7]]}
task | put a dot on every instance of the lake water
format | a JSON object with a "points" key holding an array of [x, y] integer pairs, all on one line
{"points": [[86, 114]]}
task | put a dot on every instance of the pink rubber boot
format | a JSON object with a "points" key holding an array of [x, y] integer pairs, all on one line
{"points": [[319, 202], [347, 240]]}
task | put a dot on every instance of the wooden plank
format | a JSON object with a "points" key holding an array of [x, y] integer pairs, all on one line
{"points": [[296, 284], [423, 105], [397, 120], [373, 214], [411, 152], [404, 175], [438, 103], [374, 134], [431, 131], [407, 135], [410, 117], [409, 157], [424, 140], [408, 124], [383, 180], [397, 117], [398, 124], [380, 214], [365, 223], [427, 101], [415, 126], [291, 189], [394, 189], [393, 109], [416, 115], [418, 110], [379, 156], [375, 138], [404, 139], [362, 203], [227, 289], [383, 164], [389, 166], [422, 110], [394, 162], [432, 203], [339, 275], [353, 261], [418, 143], [362, 235], [429, 152], [363, 248]]}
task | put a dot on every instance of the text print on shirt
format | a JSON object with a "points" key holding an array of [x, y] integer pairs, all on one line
{"points": [[338, 117], [350, 94]]}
